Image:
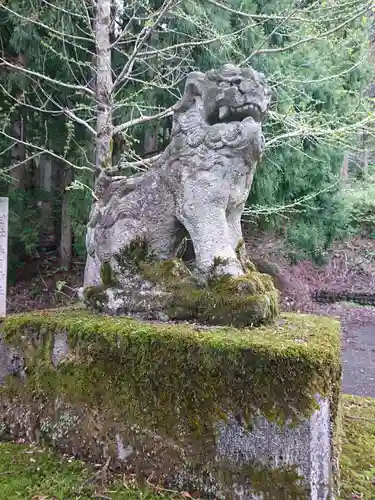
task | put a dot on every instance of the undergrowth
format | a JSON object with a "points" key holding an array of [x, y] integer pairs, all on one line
{"points": [[27, 472]]}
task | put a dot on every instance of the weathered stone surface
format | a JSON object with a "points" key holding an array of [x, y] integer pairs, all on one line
{"points": [[3, 254], [252, 434], [11, 361], [195, 192]]}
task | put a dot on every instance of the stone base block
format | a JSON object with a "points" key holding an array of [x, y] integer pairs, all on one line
{"points": [[221, 413]]}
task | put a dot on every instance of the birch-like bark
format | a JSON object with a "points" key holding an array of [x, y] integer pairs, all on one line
{"points": [[104, 126]]}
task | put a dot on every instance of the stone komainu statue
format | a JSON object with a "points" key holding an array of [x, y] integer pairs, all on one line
{"points": [[197, 188]]}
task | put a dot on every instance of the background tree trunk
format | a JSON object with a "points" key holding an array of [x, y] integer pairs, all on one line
{"points": [[18, 153], [66, 222]]}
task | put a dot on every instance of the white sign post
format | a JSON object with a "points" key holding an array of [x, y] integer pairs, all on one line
{"points": [[3, 255]]}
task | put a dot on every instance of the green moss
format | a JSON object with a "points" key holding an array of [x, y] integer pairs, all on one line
{"points": [[239, 248], [134, 255], [247, 264], [107, 275], [28, 472], [248, 300], [274, 484], [177, 380], [170, 274], [287, 363], [358, 449], [96, 297], [225, 305]]}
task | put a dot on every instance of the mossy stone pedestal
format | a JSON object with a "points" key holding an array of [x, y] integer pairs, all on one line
{"points": [[168, 290], [220, 412]]}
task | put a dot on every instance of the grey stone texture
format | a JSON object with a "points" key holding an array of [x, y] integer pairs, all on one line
{"points": [[305, 447], [11, 361], [199, 185], [4, 208]]}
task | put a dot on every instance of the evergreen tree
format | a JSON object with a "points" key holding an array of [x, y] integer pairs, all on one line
{"points": [[99, 81]]}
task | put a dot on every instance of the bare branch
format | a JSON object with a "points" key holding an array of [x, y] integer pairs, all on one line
{"points": [[255, 17], [26, 160], [68, 12], [70, 113], [141, 40], [8, 148], [314, 38], [144, 119], [257, 210], [45, 151], [35, 74], [330, 77], [75, 118], [268, 37], [146, 162], [318, 131], [193, 43]]}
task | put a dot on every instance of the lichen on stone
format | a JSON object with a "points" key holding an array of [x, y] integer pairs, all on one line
{"points": [[128, 366], [219, 299]]}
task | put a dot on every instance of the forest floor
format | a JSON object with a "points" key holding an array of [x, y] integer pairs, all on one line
{"points": [[349, 268]]}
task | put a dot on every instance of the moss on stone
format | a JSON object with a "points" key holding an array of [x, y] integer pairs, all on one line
{"points": [[169, 274], [358, 448], [177, 381], [125, 364], [107, 275], [134, 255], [299, 348], [26, 471], [95, 297], [242, 301], [248, 300]]}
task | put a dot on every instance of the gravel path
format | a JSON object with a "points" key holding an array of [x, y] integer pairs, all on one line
{"points": [[358, 346], [358, 357]]}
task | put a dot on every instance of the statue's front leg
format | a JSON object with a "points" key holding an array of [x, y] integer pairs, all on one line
{"points": [[92, 271], [208, 229], [235, 230], [238, 242]]}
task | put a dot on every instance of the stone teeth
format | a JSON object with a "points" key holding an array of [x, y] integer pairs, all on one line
{"points": [[223, 112]]}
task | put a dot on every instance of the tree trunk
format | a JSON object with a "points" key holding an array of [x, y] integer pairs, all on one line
{"points": [[365, 164], [48, 239], [104, 126], [345, 169], [150, 141], [18, 152], [66, 222]]}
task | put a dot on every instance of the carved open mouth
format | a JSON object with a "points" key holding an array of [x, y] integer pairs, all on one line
{"points": [[239, 113]]}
